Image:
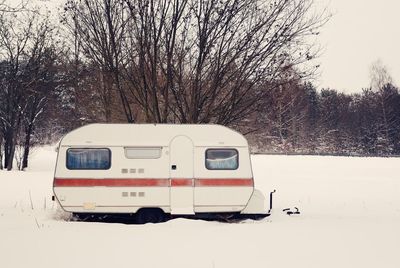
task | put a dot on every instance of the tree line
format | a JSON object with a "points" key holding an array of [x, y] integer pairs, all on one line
{"points": [[297, 118], [241, 63]]}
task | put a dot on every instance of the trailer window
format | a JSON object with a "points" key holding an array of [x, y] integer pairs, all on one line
{"points": [[143, 152], [222, 159], [89, 158]]}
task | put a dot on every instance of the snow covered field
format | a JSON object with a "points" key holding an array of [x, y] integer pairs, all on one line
{"points": [[350, 217]]}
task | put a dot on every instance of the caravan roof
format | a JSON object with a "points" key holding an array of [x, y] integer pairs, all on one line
{"points": [[152, 135]]}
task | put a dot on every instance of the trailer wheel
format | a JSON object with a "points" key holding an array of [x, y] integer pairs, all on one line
{"points": [[80, 217], [149, 215]]}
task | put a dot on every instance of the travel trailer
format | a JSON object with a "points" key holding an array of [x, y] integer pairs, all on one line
{"points": [[156, 170]]}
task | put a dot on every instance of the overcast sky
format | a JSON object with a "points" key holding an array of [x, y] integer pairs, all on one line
{"points": [[359, 33]]}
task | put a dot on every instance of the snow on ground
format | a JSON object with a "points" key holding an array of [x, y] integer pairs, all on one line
{"points": [[350, 217]]}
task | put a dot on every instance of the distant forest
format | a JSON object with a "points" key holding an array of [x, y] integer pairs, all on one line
{"points": [[245, 64]]}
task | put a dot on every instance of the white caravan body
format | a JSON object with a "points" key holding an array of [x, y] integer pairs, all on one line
{"points": [[180, 169]]}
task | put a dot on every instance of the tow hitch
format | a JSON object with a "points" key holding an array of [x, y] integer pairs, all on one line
{"points": [[270, 201]]}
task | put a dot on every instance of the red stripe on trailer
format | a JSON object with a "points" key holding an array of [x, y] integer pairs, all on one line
{"points": [[110, 182], [59, 182], [224, 182], [181, 182]]}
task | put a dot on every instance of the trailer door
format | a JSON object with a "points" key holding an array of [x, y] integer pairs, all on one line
{"points": [[181, 176]]}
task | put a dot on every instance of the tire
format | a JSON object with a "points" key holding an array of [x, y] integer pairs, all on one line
{"points": [[149, 215], [79, 217]]}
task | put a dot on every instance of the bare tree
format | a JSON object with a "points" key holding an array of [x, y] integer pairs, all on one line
{"points": [[98, 28], [25, 41], [285, 115], [379, 75], [40, 81], [195, 61], [13, 43], [382, 84], [150, 71], [220, 51]]}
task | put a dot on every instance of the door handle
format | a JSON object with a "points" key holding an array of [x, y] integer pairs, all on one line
{"points": [[173, 167]]}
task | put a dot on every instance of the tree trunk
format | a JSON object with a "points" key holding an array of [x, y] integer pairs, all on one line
{"points": [[27, 146], [1, 154], [10, 151], [11, 158], [6, 151]]}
